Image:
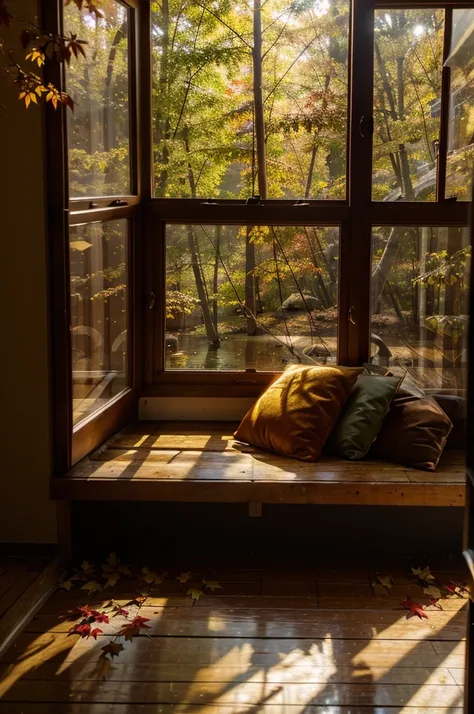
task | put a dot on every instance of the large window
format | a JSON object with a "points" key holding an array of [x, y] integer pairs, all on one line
{"points": [[258, 183]]}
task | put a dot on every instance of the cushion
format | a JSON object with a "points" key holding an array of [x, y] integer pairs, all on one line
{"points": [[414, 433], [295, 415], [455, 408], [363, 415]]}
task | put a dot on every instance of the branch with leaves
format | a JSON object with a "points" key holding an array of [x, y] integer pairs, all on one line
{"points": [[41, 47]]}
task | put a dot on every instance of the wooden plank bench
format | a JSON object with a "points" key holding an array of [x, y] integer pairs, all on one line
{"points": [[201, 462]]}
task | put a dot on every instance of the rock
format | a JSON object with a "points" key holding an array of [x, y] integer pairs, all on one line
{"points": [[295, 302], [171, 342]]}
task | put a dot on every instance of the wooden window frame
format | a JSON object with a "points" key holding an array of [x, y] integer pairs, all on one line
{"points": [[355, 216]]}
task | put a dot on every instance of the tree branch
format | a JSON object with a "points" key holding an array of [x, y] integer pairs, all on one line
{"points": [[237, 34], [289, 69]]}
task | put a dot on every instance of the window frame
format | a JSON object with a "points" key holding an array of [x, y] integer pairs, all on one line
{"points": [[355, 216]]}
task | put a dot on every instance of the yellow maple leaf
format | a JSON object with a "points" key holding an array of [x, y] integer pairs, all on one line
{"points": [[184, 577], [112, 580], [92, 586], [65, 585], [212, 585], [195, 593]]}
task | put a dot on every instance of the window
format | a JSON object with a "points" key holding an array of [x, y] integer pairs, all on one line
{"points": [[250, 98], [98, 314], [98, 131], [250, 297], [420, 280]]}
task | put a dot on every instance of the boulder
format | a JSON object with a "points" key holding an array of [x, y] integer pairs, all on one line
{"points": [[295, 302]]}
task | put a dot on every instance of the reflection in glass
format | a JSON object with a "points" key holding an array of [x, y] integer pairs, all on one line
{"points": [[98, 314], [461, 108], [98, 129], [250, 98], [407, 89], [258, 297], [420, 281]]}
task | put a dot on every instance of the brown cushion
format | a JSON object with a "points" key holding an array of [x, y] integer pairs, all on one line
{"points": [[414, 433], [295, 415], [455, 408]]}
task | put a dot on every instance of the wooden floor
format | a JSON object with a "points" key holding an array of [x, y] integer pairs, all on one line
{"points": [[201, 462], [330, 639]]}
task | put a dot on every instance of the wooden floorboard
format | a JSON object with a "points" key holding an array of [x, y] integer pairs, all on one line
{"points": [[253, 646], [201, 462]]}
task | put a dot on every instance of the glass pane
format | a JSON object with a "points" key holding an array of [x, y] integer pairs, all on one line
{"points": [[98, 129], [250, 98], [255, 298], [407, 98], [98, 255], [420, 280], [461, 109]]}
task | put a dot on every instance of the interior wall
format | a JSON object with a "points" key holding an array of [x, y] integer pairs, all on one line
{"points": [[26, 513]]}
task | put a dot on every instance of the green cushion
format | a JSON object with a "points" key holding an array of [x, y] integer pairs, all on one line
{"points": [[362, 418]]}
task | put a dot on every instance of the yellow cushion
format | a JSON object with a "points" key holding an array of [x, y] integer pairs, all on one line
{"points": [[295, 415]]}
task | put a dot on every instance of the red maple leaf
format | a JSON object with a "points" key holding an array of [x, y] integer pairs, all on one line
{"points": [[121, 611], [96, 632], [101, 617], [83, 629], [132, 629], [435, 603], [414, 607]]}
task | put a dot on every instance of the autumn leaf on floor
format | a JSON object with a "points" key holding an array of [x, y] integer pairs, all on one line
{"points": [[92, 586], [414, 607], [457, 589], [432, 591], [120, 611], [112, 580], [65, 584], [132, 629], [212, 585], [386, 580], [83, 629], [434, 602], [87, 568], [96, 631], [111, 564], [195, 594], [112, 648], [150, 577], [424, 574], [100, 617], [184, 577]]}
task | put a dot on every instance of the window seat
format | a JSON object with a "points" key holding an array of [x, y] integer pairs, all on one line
{"points": [[201, 462]]}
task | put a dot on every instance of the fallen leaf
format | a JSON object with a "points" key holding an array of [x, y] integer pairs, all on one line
{"points": [[386, 580], [83, 629], [195, 593], [65, 585], [132, 629], [414, 607], [424, 574], [92, 586], [150, 577], [101, 617], [435, 603], [124, 570], [96, 632], [120, 611], [433, 591], [112, 580], [212, 585], [184, 577], [87, 567], [112, 648]]}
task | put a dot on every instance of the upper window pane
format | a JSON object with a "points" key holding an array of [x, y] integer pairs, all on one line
{"points": [[461, 110], [251, 297], [98, 129], [407, 90], [250, 98]]}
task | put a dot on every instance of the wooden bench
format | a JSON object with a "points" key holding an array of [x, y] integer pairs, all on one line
{"points": [[201, 462]]}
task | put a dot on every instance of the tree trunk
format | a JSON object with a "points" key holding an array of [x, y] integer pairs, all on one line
{"points": [[216, 275], [209, 325], [250, 302], [258, 100], [384, 266], [162, 120]]}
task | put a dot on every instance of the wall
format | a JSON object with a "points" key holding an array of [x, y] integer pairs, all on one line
{"points": [[26, 513]]}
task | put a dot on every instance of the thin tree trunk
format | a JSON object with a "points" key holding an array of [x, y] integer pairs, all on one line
{"points": [[163, 126], [216, 275], [250, 302], [258, 100], [209, 325]]}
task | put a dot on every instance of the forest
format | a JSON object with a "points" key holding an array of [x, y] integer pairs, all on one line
{"points": [[250, 99]]}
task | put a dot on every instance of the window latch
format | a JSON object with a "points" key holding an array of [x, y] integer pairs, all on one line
{"points": [[118, 202], [350, 315], [151, 301], [366, 126]]}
